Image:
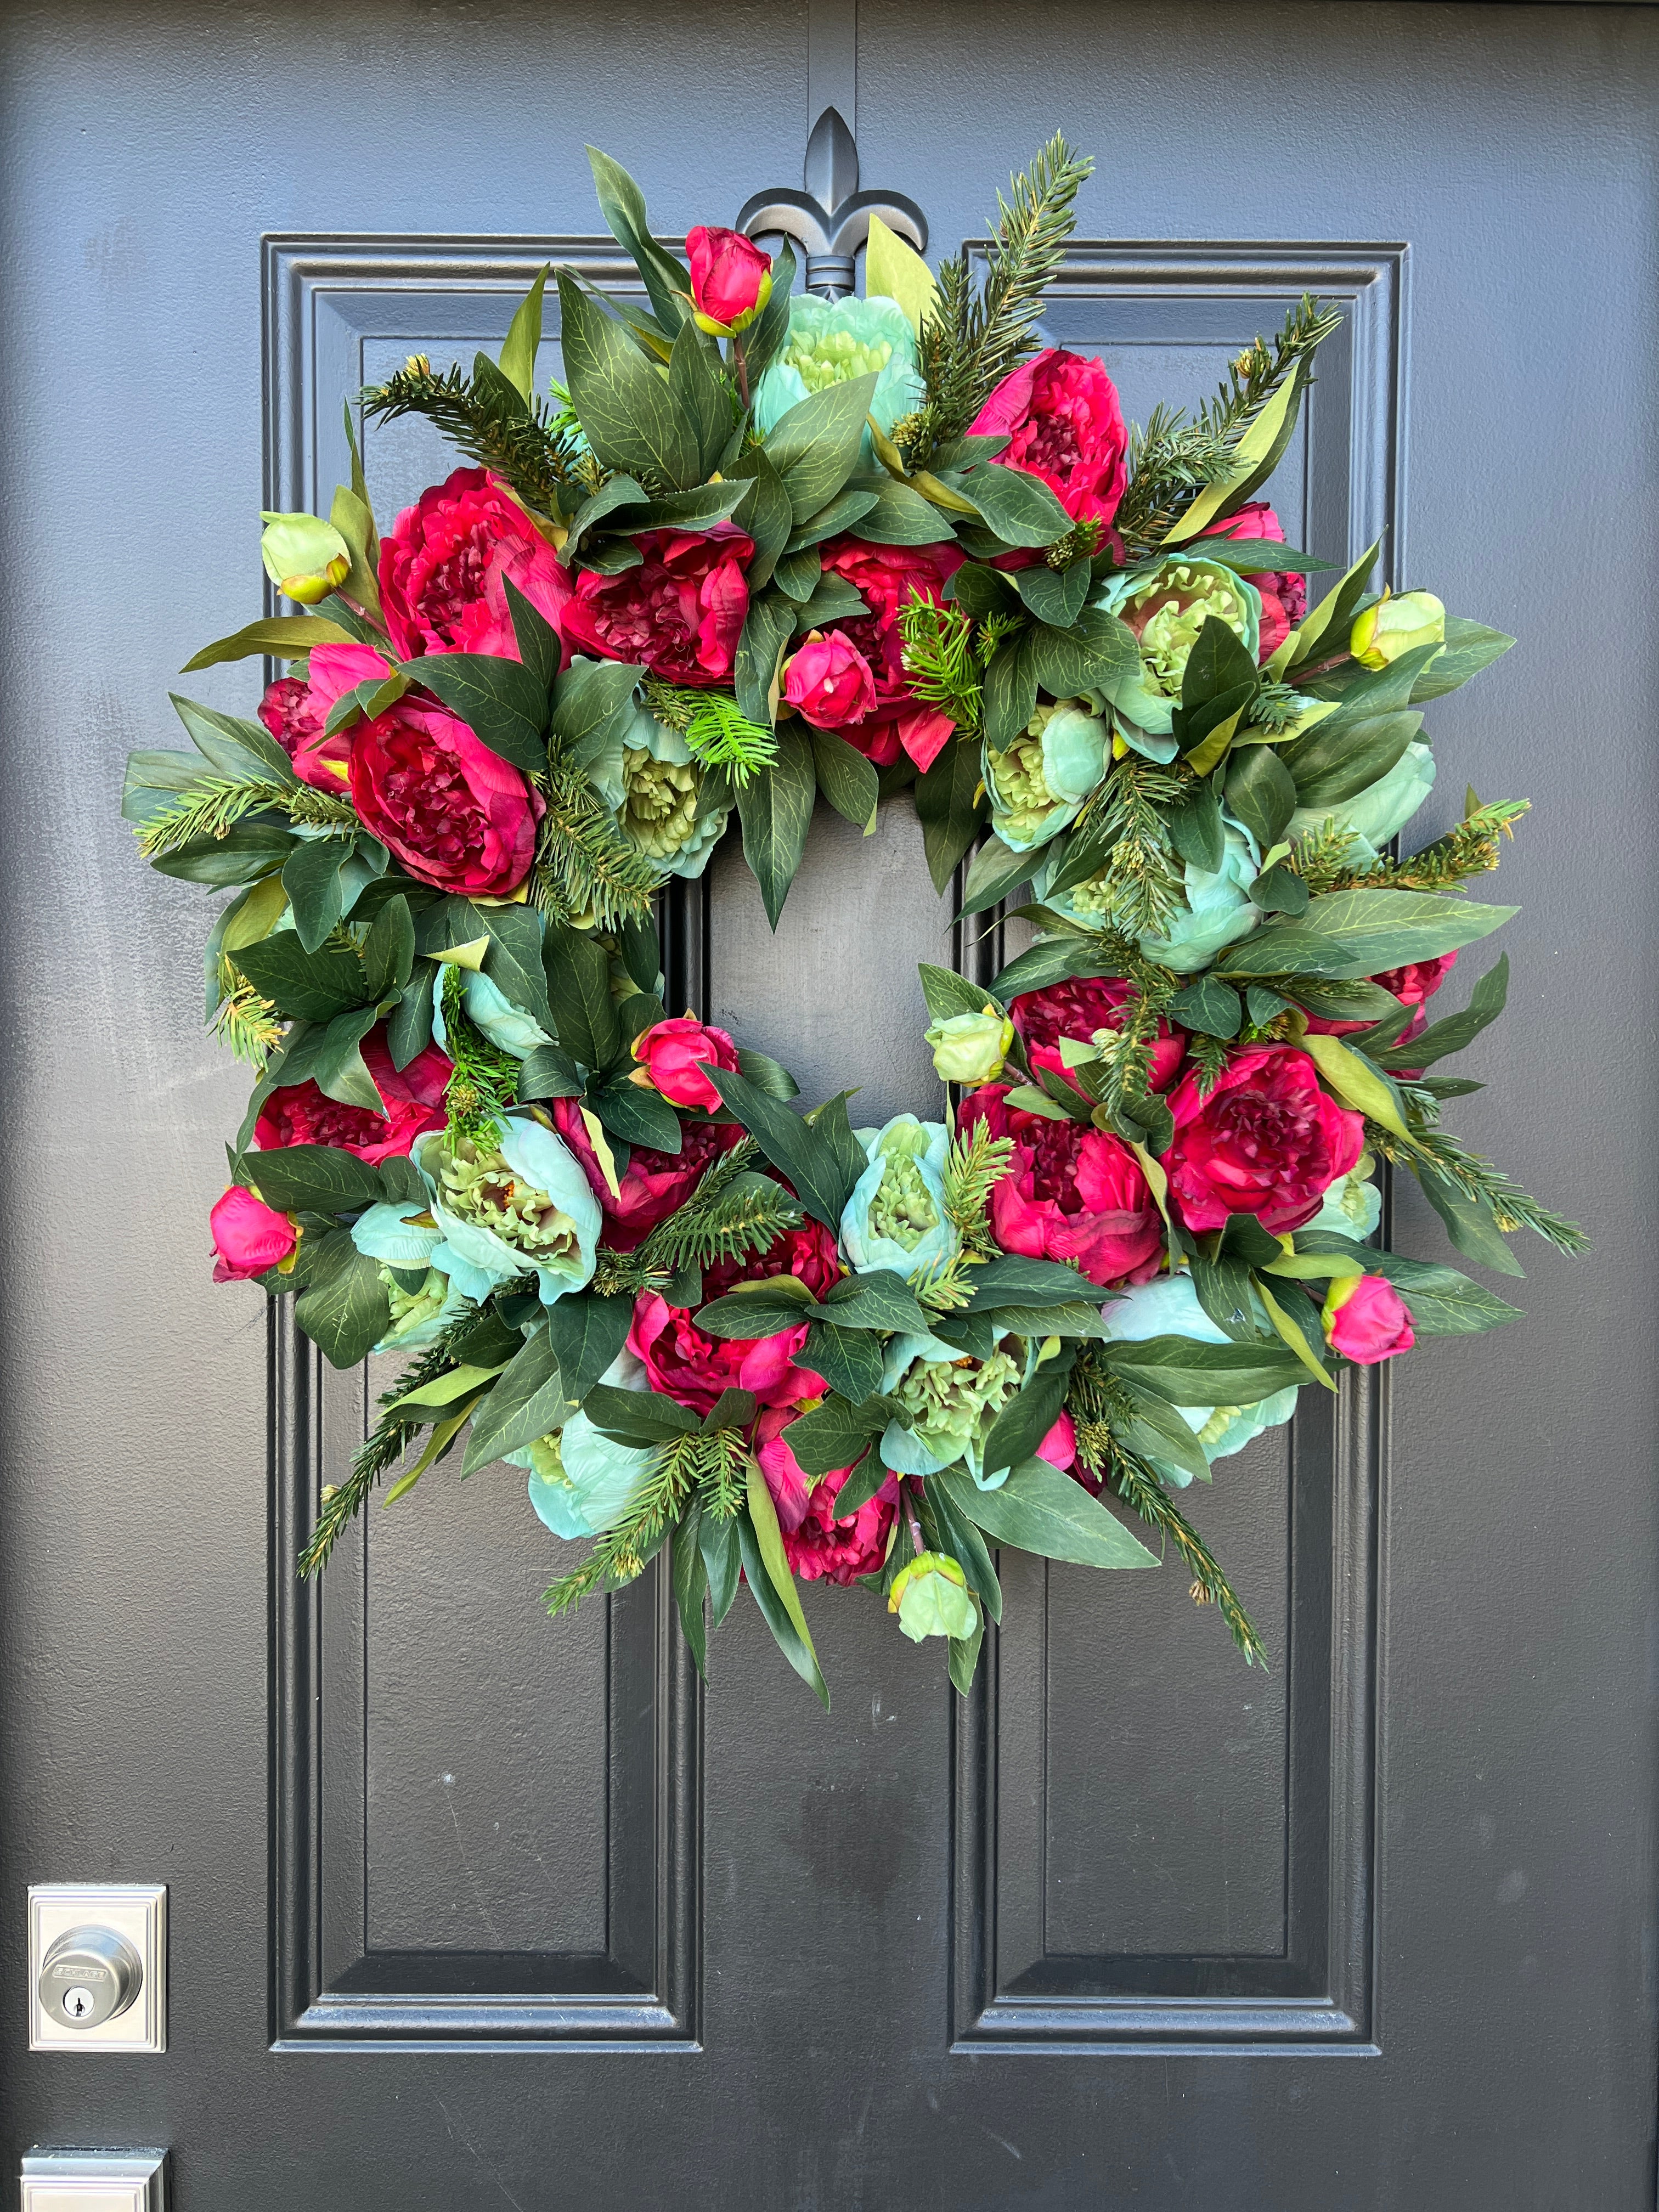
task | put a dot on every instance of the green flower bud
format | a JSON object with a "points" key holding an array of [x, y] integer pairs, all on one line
{"points": [[1394, 627], [970, 1048], [930, 1597], [305, 559]]}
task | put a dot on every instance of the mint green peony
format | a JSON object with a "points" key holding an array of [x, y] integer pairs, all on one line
{"points": [[1169, 1307], [1217, 909], [829, 342], [951, 1400], [491, 1013], [1167, 606], [661, 807], [1038, 785], [582, 1482], [422, 1299], [523, 1207], [1377, 813], [896, 1216]]}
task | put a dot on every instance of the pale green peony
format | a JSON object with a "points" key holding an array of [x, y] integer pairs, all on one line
{"points": [[1167, 606], [524, 1207], [1217, 910], [1038, 785], [581, 1481], [896, 1216], [832, 342], [951, 1400], [660, 803], [1168, 1307]]}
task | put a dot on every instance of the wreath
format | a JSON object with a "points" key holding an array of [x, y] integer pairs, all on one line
{"points": [[759, 546]]}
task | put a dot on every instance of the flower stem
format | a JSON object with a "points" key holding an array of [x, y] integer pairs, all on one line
{"points": [[740, 363]]}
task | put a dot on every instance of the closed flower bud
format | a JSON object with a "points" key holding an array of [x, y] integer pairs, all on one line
{"points": [[970, 1048], [1394, 627], [930, 1597], [731, 279], [305, 559], [1366, 1319]]}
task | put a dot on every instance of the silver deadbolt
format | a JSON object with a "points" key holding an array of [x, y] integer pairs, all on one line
{"points": [[88, 1976]]}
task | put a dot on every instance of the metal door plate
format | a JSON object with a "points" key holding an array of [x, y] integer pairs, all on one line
{"points": [[137, 1910], [94, 2180]]}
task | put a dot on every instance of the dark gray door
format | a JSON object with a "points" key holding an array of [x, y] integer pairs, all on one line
{"points": [[471, 1911]]}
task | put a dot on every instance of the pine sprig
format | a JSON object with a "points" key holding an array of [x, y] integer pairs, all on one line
{"points": [[213, 808], [732, 1214], [1477, 1178], [484, 1080], [678, 1468], [1474, 847], [1141, 877], [717, 732], [585, 869], [491, 424], [971, 339], [244, 1020], [940, 662], [973, 1168], [1256, 375]]}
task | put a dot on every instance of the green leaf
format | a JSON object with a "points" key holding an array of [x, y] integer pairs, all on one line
{"points": [[837, 1434], [589, 701], [718, 1542], [1486, 1002], [1255, 556], [1014, 1279], [783, 1616], [668, 280], [964, 1658], [586, 1333], [314, 1179], [878, 1299], [1195, 828], [1469, 1221], [846, 779], [1028, 1415], [1351, 935], [283, 637], [641, 1418], [1189, 1373], [948, 994], [996, 870], [579, 997], [238, 749], [1260, 793], [528, 1398], [690, 1578], [1018, 507], [961, 1540], [847, 509], [1442, 1302], [1097, 653], [1279, 889], [388, 953], [1056, 960], [767, 1074], [1159, 1431], [1322, 626], [311, 876], [524, 336], [776, 809], [623, 401], [344, 1310], [337, 1062], [981, 590], [767, 516], [948, 806], [1011, 688], [1469, 647], [797, 576], [767, 631], [1219, 662], [500, 701], [1040, 1510], [1337, 761], [538, 641], [637, 1116], [794, 1146], [901, 516], [1256, 455], [815, 446], [1209, 1005], [1223, 1291], [895, 271], [1054, 596], [849, 1359], [312, 986], [549, 1072]]}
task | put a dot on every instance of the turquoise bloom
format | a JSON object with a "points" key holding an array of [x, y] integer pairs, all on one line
{"points": [[1169, 1306], [423, 1300], [951, 1400], [831, 342], [1167, 606], [1217, 910], [520, 1207], [1353, 1207], [895, 1217], [490, 1011], [1038, 785], [581, 1481], [660, 806], [1378, 812]]}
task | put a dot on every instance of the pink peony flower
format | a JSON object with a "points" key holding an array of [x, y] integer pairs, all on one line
{"points": [[296, 712], [1412, 985], [1069, 1193], [886, 576], [1284, 597], [249, 1237], [731, 277], [816, 1544], [829, 682], [681, 611], [673, 1055], [413, 1099], [443, 555], [1266, 1140], [1367, 1320], [1064, 424], [691, 1367], [653, 1184], [1059, 1447], [1078, 1009], [456, 814]]}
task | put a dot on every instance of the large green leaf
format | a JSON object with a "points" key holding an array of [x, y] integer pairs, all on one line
{"points": [[1470, 1222], [303, 986], [767, 516], [1040, 1510], [1098, 651], [1011, 688], [837, 1434], [1338, 760], [641, 1418], [1188, 1373], [500, 701], [1469, 647], [948, 994], [1015, 1280], [668, 280], [529, 1399], [776, 809], [849, 1359], [1486, 1002], [311, 876], [773, 1586], [815, 446], [579, 997], [901, 516], [767, 631], [1442, 1302], [1354, 933], [524, 336], [1259, 791], [623, 403], [238, 749], [590, 700], [344, 1309], [793, 1146], [637, 1116], [1028, 1415], [283, 637], [1017, 507], [846, 779], [878, 1299], [948, 807], [314, 1179]]}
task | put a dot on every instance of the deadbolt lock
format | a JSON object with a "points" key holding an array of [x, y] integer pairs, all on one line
{"points": [[88, 1976]]}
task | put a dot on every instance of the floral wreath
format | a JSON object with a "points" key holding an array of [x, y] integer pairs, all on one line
{"points": [[759, 546]]}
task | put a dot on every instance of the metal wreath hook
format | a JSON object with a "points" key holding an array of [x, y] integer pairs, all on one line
{"points": [[831, 218]]}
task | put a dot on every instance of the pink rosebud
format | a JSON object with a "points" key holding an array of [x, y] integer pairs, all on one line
{"points": [[1366, 1319], [829, 682], [673, 1055], [1059, 1447], [731, 278], [248, 1236]]}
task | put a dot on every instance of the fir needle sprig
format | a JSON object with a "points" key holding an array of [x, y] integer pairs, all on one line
{"points": [[717, 732], [485, 418], [585, 868], [213, 808]]}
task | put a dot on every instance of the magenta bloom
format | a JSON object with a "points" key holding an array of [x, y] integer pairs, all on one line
{"points": [[653, 1184], [673, 1054], [681, 611], [296, 712], [445, 557], [248, 1236], [693, 1368], [1077, 1010], [886, 576], [1412, 985], [1367, 1320], [1284, 597], [456, 814], [730, 275], [1266, 1140], [819, 1546], [413, 1099], [829, 682], [1069, 1193], [1059, 1447], [1063, 423]]}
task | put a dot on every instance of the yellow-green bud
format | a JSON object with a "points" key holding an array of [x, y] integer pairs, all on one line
{"points": [[970, 1048], [930, 1597], [305, 559], [1395, 627]]}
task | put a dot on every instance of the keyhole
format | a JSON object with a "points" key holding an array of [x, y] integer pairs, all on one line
{"points": [[78, 2004]]}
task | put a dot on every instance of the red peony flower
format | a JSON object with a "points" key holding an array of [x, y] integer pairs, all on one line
{"points": [[1266, 1140], [1367, 1320], [1077, 1010], [681, 611], [1058, 1446], [828, 683], [673, 1055], [1412, 985], [731, 277], [443, 563], [1284, 597], [693, 1368], [248, 1236], [456, 814], [295, 711], [886, 576], [653, 1184], [413, 1097], [1069, 1193], [817, 1545], [1063, 421]]}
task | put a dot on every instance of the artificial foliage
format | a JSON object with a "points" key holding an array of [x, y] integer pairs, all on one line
{"points": [[756, 551]]}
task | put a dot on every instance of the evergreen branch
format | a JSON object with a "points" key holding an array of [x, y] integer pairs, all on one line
{"points": [[213, 808], [245, 1022], [717, 732], [1473, 847], [585, 869], [732, 1214], [723, 1474], [940, 662], [1141, 879], [484, 1080], [973, 1168], [620, 1554], [1253, 378], [1510, 1206], [1210, 1055], [531, 447]]}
